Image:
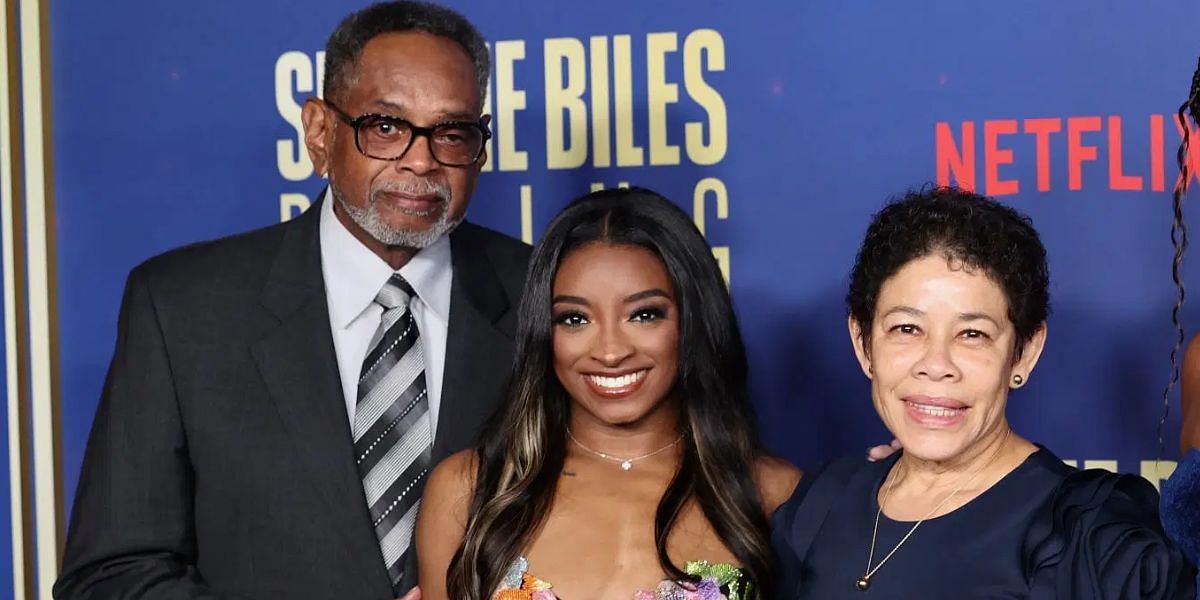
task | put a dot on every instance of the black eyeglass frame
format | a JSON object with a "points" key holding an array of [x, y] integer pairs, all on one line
{"points": [[416, 131]]}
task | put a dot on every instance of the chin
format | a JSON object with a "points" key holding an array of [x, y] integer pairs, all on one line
{"points": [[616, 412], [620, 416], [932, 445], [411, 223]]}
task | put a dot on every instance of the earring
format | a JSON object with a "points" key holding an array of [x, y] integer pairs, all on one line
{"points": [[1018, 381]]}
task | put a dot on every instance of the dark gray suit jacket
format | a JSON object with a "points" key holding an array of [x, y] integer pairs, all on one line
{"points": [[220, 463]]}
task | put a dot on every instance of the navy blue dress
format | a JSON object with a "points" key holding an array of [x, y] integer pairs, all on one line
{"points": [[1180, 507], [1045, 530]]}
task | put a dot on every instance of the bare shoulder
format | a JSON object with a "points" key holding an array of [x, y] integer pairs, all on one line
{"points": [[1189, 395], [445, 504], [453, 479], [1191, 355], [777, 479], [442, 520]]}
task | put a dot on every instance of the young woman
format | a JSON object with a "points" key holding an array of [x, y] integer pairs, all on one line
{"points": [[625, 463]]}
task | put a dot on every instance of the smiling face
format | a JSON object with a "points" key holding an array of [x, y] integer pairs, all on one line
{"points": [[940, 357], [615, 332]]}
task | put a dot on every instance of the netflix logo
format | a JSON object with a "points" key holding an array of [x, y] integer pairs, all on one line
{"points": [[986, 156]]}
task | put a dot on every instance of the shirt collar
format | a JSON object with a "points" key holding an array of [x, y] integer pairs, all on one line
{"points": [[354, 274]]}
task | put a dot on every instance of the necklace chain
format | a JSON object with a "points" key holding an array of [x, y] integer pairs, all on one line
{"points": [[865, 581], [626, 463]]}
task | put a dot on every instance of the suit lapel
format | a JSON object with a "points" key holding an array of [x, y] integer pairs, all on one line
{"points": [[479, 345], [298, 364]]}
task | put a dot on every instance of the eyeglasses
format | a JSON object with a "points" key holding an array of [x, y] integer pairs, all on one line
{"points": [[384, 137]]}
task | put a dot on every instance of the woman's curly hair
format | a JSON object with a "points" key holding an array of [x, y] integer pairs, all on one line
{"points": [[971, 231]]}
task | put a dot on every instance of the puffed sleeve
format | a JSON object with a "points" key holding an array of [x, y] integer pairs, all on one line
{"points": [[1099, 537], [796, 523], [784, 540]]}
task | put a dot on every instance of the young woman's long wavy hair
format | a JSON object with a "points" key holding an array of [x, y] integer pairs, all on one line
{"points": [[522, 451], [1179, 240]]}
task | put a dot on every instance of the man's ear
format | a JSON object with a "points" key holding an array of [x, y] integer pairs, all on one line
{"points": [[485, 120], [318, 134]]}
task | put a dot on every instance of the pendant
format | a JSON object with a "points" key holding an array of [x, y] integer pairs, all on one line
{"points": [[863, 583], [627, 465]]}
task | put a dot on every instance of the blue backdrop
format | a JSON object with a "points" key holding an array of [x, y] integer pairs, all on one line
{"points": [[781, 125]]}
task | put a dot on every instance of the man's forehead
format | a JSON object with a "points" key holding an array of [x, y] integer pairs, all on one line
{"points": [[420, 72]]}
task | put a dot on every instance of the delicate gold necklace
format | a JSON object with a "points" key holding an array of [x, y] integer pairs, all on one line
{"points": [[626, 463], [864, 582]]}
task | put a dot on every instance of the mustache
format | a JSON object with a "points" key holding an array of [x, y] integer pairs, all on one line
{"points": [[416, 187]]}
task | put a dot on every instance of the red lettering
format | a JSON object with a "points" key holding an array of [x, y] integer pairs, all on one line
{"points": [[1077, 153], [1117, 179], [1193, 157], [950, 160], [1041, 129], [1157, 174], [994, 156]]}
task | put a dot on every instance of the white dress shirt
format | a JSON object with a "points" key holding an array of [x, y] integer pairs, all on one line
{"points": [[354, 275]]}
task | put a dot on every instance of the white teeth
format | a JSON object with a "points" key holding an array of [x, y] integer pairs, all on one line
{"points": [[617, 382], [936, 411]]}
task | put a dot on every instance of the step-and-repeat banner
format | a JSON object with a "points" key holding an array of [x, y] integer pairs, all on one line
{"points": [[780, 126]]}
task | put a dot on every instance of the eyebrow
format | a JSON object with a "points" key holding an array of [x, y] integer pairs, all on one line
{"points": [[977, 317], [969, 316], [908, 310], [651, 293], [642, 295], [570, 300], [386, 105], [443, 116]]}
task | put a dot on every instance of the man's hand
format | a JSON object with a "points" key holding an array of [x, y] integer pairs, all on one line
{"points": [[413, 594], [875, 453]]}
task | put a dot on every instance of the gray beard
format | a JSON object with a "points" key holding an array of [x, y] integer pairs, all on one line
{"points": [[372, 222]]}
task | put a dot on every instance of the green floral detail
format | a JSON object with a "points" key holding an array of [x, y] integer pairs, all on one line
{"points": [[726, 575]]}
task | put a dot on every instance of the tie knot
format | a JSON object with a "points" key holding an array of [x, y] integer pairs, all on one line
{"points": [[396, 293]]}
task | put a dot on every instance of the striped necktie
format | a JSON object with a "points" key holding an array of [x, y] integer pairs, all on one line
{"points": [[393, 439]]}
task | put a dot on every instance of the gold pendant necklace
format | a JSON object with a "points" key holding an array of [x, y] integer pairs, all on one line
{"points": [[626, 463], [864, 583]]}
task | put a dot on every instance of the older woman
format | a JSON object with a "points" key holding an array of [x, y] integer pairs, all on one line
{"points": [[948, 302]]}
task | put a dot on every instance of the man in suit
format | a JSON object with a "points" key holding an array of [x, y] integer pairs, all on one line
{"points": [[276, 398]]}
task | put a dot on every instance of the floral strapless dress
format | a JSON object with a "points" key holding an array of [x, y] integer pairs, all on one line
{"points": [[715, 582]]}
